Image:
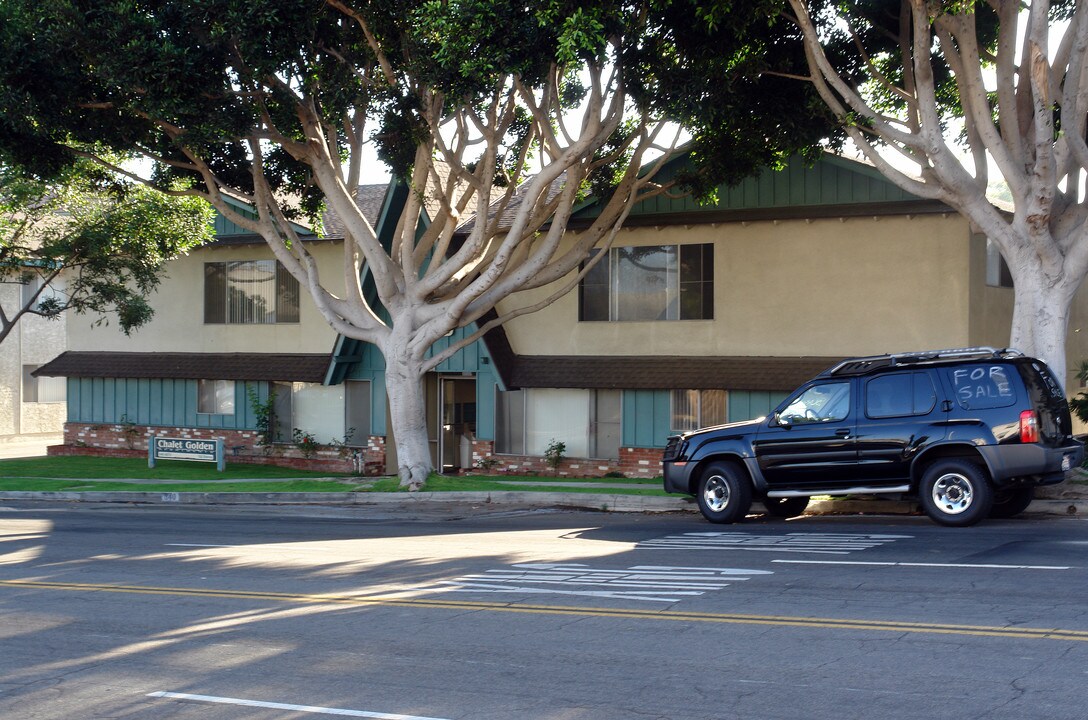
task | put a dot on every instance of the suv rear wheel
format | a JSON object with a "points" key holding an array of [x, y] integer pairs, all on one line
{"points": [[724, 494], [956, 493]]}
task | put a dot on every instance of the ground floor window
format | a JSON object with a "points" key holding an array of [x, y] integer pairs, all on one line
{"points": [[693, 409], [330, 413], [587, 422], [318, 410], [215, 397], [357, 412]]}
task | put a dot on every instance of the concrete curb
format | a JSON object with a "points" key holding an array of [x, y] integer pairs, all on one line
{"points": [[611, 502], [607, 502]]}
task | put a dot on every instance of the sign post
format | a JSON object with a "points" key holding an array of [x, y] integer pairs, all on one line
{"points": [[185, 449]]}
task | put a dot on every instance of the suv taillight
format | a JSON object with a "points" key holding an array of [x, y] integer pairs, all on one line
{"points": [[1029, 427]]}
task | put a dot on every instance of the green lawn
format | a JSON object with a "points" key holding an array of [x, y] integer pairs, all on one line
{"points": [[87, 474], [46, 485], [136, 468]]}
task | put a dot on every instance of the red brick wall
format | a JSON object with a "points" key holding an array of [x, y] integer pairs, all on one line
{"points": [[115, 440], [633, 462]]}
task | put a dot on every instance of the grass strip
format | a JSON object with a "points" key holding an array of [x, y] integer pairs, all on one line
{"points": [[98, 468]]}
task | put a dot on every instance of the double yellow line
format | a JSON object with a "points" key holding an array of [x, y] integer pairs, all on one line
{"points": [[636, 614]]}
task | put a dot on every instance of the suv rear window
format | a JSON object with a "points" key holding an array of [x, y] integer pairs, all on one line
{"points": [[899, 395], [978, 387]]}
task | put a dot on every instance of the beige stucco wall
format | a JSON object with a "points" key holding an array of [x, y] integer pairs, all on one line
{"points": [[178, 324], [991, 316], [827, 287], [34, 341]]}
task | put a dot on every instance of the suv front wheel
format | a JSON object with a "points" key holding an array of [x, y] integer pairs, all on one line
{"points": [[956, 493], [724, 495]]}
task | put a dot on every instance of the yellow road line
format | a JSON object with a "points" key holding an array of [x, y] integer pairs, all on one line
{"points": [[628, 613]]}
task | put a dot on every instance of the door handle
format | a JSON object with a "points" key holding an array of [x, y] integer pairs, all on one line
{"points": [[843, 432]]}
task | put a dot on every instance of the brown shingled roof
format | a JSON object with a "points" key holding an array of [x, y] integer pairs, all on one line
{"points": [[664, 373], [369, 199], [298, 367]]}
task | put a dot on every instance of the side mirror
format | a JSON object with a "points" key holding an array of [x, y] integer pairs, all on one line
{"points": [[782, 420]]}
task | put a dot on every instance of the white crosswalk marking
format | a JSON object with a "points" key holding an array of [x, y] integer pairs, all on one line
{"points": [[644, 582], [818, 543]]}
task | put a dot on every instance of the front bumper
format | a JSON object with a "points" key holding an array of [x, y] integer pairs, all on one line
{"points": [[677, 476]]}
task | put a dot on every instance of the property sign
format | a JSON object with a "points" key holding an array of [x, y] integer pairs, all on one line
{"points": [[185, 449]]}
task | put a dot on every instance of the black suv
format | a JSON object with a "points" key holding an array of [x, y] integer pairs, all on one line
{"points": [[968, 432]]}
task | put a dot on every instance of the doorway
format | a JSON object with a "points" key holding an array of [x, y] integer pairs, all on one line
{"points": [[451, 423], [457, 410]]}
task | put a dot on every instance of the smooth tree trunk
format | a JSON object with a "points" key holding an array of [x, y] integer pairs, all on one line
{"points": [[1041, 310], [407, 399]]}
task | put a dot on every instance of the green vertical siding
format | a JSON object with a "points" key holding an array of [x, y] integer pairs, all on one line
{"points": [[645, 419], [471, 359], [487, 383], [750, 404], [830, 181], [155, 402]]}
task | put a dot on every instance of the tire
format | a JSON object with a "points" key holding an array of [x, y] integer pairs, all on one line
{"points": [[724, 494], [956, 493], [1011, 502], [786, 507]]}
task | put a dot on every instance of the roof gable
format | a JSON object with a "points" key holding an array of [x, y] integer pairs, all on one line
{"points": [[831, 181]]}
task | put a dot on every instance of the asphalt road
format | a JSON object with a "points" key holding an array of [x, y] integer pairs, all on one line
{"points": [[478, 613]]}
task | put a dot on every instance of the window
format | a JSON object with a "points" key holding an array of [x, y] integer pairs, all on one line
{"points": [[829, 402], [997, 270], [52, 294], [30, 288], [249, 292], [319, 409], [899, 395], [43, 389], [215, 397], [979, 387], [282, 412], [656, 282], [357, 412], [586, 421], [694, 409]]}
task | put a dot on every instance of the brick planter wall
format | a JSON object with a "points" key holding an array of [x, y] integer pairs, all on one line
{"points": [[633, 463], [115, 440]]}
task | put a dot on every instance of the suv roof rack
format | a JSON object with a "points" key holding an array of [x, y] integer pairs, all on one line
{"points": [[862, 365]]}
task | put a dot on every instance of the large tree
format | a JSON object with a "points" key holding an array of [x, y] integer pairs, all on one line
{"points": [[521, 109], [88, 242], [953, 89]]}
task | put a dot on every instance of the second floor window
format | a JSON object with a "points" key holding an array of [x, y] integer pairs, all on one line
{"points": [[655, 282], [249, 292]]}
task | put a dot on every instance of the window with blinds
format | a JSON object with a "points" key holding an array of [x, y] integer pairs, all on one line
{"points": [[694, 409], [249, 292], [654, 282]]}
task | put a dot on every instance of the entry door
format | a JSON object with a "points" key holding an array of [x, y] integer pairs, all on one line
{"points": [[813, 443], [457, 399]]}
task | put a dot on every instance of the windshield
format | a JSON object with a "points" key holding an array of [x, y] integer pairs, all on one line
{"points": [[829, 402]]}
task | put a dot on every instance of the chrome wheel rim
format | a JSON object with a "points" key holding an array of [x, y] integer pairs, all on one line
{"points": [[716, 493], [953, 493]]}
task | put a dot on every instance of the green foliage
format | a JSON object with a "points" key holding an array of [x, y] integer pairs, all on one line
{"points": [[1079, 403], [263, 414], [305, 441], [554, 453], [184, 78], [100, 243]]}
